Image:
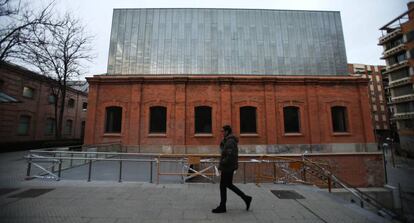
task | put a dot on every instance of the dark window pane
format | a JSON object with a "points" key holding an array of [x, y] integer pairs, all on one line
{"points": [[68, 127], [158, 119], [248, 120], [113, 119], [84, 106], [405, 107], [50, 126], [291, 119], [401, 57], [202, 119], [402, 90], [339, 119], [24, 125], [51, 99], [71, 103], [28, 92]]}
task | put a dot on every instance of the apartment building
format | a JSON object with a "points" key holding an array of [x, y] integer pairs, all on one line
{"points": [[377, 96], [398, 42]]}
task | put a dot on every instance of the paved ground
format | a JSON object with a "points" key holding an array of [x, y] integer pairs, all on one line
{"points": [[144, 202], [110, 201], [400, 175]]}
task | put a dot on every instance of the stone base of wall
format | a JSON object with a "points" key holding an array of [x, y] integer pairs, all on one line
{"points": [[256, 149], [116, 147]]}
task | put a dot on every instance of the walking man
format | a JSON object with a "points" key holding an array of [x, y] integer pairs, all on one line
{"points": [[228, 164]]}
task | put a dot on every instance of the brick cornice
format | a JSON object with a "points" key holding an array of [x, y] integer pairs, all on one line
{"points": [[124, 79]]}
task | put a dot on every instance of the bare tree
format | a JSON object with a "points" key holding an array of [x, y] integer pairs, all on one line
{"points": [[16, 23], [59, 52]]}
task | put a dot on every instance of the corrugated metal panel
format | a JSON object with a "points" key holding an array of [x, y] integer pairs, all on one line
{"points": [[226, 41]]}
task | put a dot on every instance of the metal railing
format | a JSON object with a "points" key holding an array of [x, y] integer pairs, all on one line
{"points": [[282, 169], [253, 167], [360, 195], [54, 158]]}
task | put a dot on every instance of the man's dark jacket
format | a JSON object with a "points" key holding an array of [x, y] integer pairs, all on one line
{"points": [[229, 153]]}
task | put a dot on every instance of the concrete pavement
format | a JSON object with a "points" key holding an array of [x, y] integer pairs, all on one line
{"points": [[144, 202]]}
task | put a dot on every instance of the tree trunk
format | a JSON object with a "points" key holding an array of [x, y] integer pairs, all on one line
{"points": [[61, 110], [56, 103]]}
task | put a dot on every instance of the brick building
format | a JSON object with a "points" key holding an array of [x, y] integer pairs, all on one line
{"points": [[279, 77], [27, 110], [377, 97], [398, 42]]}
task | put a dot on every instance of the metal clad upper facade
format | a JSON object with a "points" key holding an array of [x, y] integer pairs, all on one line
{"points": [[226, 41]]}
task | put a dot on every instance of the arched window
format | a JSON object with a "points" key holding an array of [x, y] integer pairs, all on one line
{"points": [[71, 103], [202, 119], [158, 119], [339, 119], [50, 126], [248, 119], [68, 127], [291, 119], [84, 106], [113, 119], [24, 125]]}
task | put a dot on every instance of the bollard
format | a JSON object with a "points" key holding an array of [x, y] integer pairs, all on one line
{"points": [[150, 171], [71, 159], [158, 171], [53, 166], [90, 169], [120, 171], [329, 184], [60, 169], [29, 166], [244, 173]]}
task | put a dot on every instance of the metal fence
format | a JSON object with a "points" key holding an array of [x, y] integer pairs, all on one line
{"points": [[253, 168]]}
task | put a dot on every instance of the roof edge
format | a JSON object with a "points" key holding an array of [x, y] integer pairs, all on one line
{"points": [[295, 10]]}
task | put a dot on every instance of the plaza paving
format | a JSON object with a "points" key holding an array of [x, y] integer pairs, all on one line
{"points": [[71, 200]]}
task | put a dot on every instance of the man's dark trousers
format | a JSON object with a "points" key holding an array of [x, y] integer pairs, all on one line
{"points": [[226, 181]]}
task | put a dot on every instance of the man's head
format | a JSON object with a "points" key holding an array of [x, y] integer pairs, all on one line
{"points": [[226, 130]]}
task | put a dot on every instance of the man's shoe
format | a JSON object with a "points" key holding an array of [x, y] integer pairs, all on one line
{"points": [[248, 200], [219, 209]]}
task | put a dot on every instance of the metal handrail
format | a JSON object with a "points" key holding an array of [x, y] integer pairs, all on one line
{"points": [[362, 196], [31, 157]]}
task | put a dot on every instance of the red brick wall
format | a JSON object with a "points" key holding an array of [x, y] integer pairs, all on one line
{"points": [[314, 96], [38, 107]]}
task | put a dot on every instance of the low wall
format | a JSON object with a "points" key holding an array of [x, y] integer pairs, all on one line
{"points": [[256, 149], [356, 169]]}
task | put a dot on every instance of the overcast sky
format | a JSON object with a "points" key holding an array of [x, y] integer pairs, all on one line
{"points": [[361, 20]]}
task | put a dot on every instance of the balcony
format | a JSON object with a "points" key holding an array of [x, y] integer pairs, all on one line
{"points": [[389, 36], [403, 98], [401, 116], [394, 50], [399, 82], [396, 66]]}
